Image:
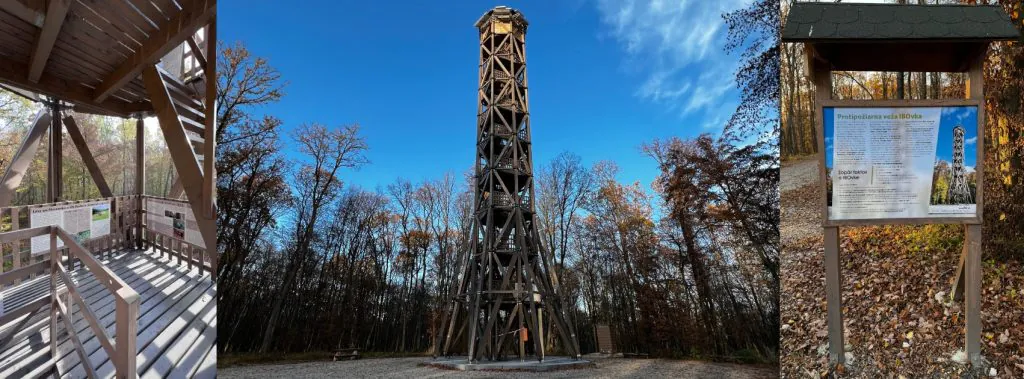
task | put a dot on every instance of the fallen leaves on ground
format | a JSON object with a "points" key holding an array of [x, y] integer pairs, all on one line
{"points": [[896, 284]]}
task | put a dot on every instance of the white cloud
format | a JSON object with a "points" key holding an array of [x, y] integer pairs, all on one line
{"points": [[970, 141], [677, 46]]}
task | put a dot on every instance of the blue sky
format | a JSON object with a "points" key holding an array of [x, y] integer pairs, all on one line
{"points": [[605, 76]]}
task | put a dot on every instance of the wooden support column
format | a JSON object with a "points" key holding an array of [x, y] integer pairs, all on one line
{"points": [[23, 157], [140, 179], [972, 295], [210, 140], [821, 76], [182, 153], [55, 160], [972, 240], [90, 162], [834, 296]]}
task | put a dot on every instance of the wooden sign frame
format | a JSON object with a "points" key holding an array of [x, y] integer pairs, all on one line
{"points": [[979, 163], [966, 283]]}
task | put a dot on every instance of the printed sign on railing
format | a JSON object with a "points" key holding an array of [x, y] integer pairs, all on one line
{"points": [[84, 221], [173, 218]]}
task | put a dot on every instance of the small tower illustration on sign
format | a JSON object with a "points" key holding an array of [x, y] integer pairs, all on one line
{"points": [[959, 192]]}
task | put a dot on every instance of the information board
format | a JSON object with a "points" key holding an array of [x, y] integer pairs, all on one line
{"points": [[174, 219], [84, 221], [901, 163]]}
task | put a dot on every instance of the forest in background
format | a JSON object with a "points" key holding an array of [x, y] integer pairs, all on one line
{"points": [[687, 267], [111, 141], [1004, 112]]}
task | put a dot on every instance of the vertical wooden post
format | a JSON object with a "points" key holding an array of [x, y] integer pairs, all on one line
{"points": [[140, 179], [972, 240], [54, 167], [821, 76], [209, 148], [54, 266], [15, 245], [127, 325], [972, 303], [834, 295]]}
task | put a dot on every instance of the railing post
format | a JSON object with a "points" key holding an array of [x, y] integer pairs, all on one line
{"points": [[127, 310], [54, 266]]}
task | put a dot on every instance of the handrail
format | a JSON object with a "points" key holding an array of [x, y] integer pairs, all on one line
{"points": [[123, 351]]}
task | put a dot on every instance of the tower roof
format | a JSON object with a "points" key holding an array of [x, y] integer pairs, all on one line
{"points": [[502, 12]]}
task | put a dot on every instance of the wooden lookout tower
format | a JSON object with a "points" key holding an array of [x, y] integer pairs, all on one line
{"points": [[506, 297], [123, 285]]}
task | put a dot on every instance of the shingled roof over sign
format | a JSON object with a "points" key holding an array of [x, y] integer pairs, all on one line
{"points": [[813, 22]]}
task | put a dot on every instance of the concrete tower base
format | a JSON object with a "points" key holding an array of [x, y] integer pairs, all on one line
{"points": [[530, 364]]}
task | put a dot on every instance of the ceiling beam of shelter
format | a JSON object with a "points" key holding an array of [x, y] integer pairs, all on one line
{"points": [[87, 157], [16, 74], [23, 12], [182, 154], [23, 157], [55, 14], [172, 33]]}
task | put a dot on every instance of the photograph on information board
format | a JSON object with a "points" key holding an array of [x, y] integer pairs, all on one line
{"points": [[916, 162]]}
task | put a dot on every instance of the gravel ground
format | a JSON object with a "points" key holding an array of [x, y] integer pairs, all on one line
{"points": [[410, 368], [798, 173], [800, 224]]}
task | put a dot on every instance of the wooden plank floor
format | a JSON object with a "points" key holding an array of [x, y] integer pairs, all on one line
{"points": [[176, 331]]}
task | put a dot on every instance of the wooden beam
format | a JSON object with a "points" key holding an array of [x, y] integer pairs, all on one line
{"points": [[55, 161], [210, 129], [55, 14], [176, 189], [90, 162], [172, 33], [23, 157], [23, 12], [198, 54], [15, 74], [182, 155], [140, 178]]}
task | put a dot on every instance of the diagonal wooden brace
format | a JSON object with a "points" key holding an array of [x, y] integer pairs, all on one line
{"points": [[87, 158], [23, 157]]}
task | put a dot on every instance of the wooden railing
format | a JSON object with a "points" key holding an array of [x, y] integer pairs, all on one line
{"points": [[192, 255], [122, 352], [15, 253], [124, 233]]}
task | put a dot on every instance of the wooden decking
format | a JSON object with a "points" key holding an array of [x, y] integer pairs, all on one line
{"points": [[176, 326]]}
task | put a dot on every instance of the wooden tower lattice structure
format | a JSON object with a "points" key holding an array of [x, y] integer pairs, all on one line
{"points": [[505, 288], [959, 192]]}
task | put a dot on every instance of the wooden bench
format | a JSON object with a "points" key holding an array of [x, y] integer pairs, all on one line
{"points": [[347, 354]]}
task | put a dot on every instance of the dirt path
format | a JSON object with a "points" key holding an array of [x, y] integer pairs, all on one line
{"points": [[798, 173], [409, 368], [801, 214]]}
